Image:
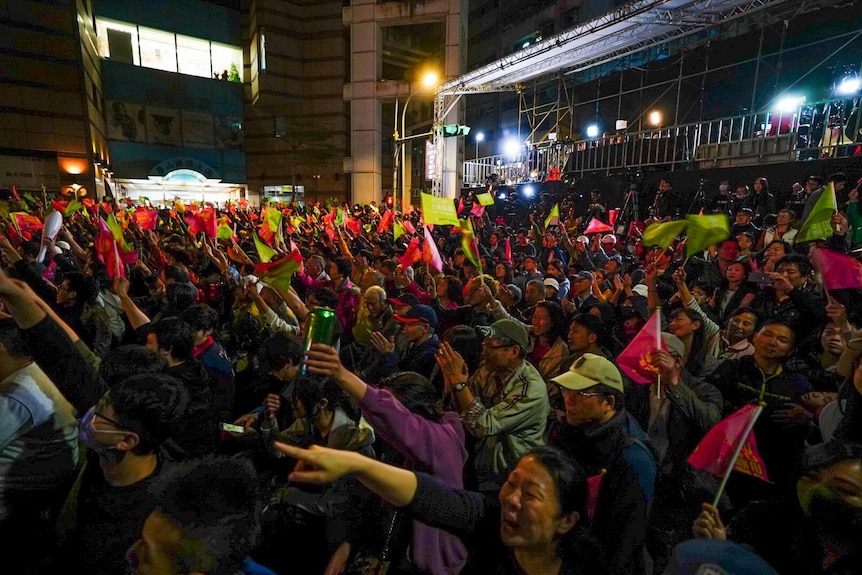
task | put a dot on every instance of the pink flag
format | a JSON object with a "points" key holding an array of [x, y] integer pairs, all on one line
{"points": [[633, 359], [509, 250], [715, 451], [594, 485], [598, 227], [430, 254], [838, 271], [478, 211], [408, 225]]}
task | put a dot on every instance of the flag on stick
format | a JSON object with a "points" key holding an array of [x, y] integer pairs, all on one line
{"points": [[818, 224], [633, 360], [469, 243], [598, 227], [704, 231], [264, 252], [437, 210], [279, 272], [730, 445], [663, 235], [553, 218], [837, 270], [486, 199], [430, 254]]}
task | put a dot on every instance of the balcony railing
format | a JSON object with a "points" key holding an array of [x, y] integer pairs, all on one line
{"points": [[812, 131]]}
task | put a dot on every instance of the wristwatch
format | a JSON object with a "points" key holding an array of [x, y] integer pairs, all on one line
{"points": [[459, 386]]}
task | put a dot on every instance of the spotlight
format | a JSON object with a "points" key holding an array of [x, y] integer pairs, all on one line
{"points": [[592, 131], [528, 191], [789, 104], [502, 196], [849, 85], [512, 147], [655, 118]]}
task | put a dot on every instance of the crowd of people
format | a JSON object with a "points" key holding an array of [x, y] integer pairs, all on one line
{"points": [[161, 414]]}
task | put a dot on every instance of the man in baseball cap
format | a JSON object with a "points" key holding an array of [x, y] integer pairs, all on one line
{"points": [[597, 433], [418, 326], [504, 404]]}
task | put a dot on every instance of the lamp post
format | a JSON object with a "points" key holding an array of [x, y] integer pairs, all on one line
{"points": [[480, 137], [429, 80]]}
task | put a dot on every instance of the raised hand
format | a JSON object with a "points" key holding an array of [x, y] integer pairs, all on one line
{"points": [[323, 359], [381, 344]]}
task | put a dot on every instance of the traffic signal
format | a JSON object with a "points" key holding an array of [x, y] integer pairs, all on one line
{"points": [[449, 130]]}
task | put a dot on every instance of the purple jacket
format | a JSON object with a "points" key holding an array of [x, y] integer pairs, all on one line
{"points": [[436, 447]]}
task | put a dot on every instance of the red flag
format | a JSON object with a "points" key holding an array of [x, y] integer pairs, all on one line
{"points": [[15, 194], [612, 217], [106, 246], [196, 226], [412, 255], [715, 451], [91, 205], [386, 221], [430, 254], [147, 219], [354, 225], [478, 211], [509, 250], [26, 223], [598, 227], [408, 225], [838, 271], [60, 205], [633, 359], [209, 220]]}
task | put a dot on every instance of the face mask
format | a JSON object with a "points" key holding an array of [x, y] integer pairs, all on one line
{"points": [[723, 188], [87, 434], [829, 510]]}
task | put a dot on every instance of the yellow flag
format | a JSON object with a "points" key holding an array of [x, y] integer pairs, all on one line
{"points": [[485, 199], [553, 218], [437, 210]]}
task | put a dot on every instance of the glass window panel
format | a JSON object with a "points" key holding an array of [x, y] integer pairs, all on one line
{"points": [[193, 56], [117, 31], [158, 50], [227, 58]]}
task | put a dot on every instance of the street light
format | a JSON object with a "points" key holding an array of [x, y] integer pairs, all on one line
{"points": [[430, 80], [480, 137], [655, 118]]}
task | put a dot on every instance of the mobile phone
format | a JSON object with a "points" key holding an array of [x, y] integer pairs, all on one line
{"points": [[760, 278], [232, 428]]}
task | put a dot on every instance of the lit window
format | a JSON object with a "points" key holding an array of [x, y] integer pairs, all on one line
{"points": [[261, 54], [158, 50], [193, 56], [118, 41], [227, 59]]}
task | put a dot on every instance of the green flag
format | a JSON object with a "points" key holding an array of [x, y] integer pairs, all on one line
{"points": [[485, 199], [264, 252], [469, 243], [704, 231], [437, 210], [817, 225], [224, 232], [398, 229], [273, 220], [73, 207], [664, 234], [553, 218]]}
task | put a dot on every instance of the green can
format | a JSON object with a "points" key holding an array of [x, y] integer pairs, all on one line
{"points": [[319, 328]]}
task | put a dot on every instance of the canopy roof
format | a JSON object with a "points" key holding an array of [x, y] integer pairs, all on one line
{"points": [[626, 30]]}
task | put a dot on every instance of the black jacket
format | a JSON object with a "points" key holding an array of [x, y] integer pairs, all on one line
{"points": [[620, 521]]}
